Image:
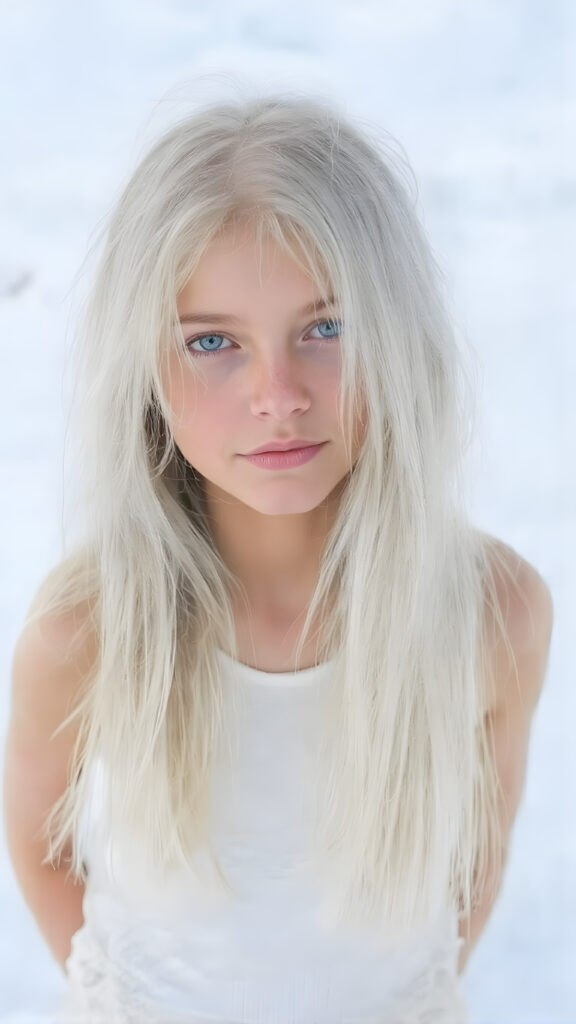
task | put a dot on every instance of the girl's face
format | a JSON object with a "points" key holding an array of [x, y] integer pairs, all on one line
{"points": [[269, 371]]}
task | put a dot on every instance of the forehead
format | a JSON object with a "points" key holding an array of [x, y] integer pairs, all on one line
{"points": [[239, 264]]}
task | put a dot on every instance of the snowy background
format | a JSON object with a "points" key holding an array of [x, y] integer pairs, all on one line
{"points": [[481, 94]]}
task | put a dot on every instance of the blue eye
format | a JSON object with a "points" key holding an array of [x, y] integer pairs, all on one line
{"points": [[205, 351], [333, 325]]}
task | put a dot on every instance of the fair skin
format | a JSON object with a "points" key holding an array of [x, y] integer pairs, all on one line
{"points": [[265, 383], [519, 675], [274, 376], [49, 667]]}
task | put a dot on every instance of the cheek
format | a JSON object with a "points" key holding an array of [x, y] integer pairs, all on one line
{"points": [[203, 421], [184, 394]]}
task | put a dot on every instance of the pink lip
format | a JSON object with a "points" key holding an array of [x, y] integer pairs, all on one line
{"points": [[287, 459], [283, 446]]}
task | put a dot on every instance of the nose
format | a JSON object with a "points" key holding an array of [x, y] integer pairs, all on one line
{"points": [[279, 387]]}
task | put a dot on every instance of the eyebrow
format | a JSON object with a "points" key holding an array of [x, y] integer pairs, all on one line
{"points": [[201, 318]]}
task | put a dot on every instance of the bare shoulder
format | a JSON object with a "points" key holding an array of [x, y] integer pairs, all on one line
{"points": [[521, 641]]}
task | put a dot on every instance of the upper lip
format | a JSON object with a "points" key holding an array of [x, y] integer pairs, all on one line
{"points": [[283, 446]]}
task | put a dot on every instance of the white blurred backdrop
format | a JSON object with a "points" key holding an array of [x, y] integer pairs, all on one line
{"points": [[481, 95]]}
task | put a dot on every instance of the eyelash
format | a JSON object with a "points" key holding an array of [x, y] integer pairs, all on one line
{"points": [[215, 334]]}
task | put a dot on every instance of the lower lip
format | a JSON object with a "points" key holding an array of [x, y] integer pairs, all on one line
{"points": [[285, 460]]}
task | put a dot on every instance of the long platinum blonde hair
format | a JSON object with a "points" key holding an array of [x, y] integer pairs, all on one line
{"points": [[407, 809]]}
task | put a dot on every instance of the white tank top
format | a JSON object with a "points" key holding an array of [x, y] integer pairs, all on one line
{"points": [[182, 953]]}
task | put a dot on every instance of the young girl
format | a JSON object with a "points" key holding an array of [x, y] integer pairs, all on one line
{"points": [[271, 713]]}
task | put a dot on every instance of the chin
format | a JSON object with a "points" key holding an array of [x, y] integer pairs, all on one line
{"points": [[285, 505]]}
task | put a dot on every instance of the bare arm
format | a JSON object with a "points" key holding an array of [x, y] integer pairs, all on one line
{"points": [[47, 670], [529, 626], [56, 904]]}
